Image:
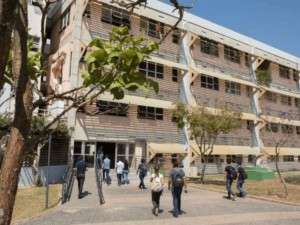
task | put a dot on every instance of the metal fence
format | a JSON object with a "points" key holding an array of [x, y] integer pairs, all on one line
{"points": [[68, 182], [99, 179]]}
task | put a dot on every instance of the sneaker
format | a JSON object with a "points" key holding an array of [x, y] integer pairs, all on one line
{"points": [[233, 199], [156, 212], [176, 216], [244, 195]]}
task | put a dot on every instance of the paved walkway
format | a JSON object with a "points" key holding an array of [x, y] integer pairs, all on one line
{"points": [[127, 205]]}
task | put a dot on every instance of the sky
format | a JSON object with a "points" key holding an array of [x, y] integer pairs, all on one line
{"points": [[273, 22]]}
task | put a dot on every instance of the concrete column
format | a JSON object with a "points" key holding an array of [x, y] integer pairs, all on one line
{"points": [[255, 108]]}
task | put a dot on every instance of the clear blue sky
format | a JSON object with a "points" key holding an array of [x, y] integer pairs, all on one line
{"points": [[274, 22]]}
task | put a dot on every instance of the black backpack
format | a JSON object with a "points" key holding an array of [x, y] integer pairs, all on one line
{"points": [[245, 175], [232, 173], [177, 179], [143, 169]]}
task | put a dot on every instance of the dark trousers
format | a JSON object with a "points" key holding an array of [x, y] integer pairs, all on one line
{"points": [[80, 180], [119, 176], [228, 186], [142, 185], [239, 186], [155, 199], [176, 192], [106, 174]]}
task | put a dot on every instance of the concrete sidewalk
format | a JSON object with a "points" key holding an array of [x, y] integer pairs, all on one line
{"points": [[128, 205]]}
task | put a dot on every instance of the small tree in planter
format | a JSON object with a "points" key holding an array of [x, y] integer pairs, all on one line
{"points": [[206, 124], [286, 120]]}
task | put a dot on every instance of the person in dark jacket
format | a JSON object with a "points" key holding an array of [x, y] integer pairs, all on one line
{"points": [[240, 180], [80, 168], [228, 180]]}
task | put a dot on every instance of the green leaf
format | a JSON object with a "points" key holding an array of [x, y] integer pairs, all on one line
{"points": [[100, 44], [117, 92], [101, 55], [128, 55], [153, 84], [114, 38], [126, 40], [122, 31], [151, 47]]}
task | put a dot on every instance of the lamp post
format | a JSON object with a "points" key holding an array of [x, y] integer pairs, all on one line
{"points": [[47, 121]]}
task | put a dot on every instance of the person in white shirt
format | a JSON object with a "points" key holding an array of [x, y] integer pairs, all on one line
{"points": [[157, 180], [119, 169]]}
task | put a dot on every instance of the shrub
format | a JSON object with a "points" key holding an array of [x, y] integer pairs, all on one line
{"points": [[263, 77]]}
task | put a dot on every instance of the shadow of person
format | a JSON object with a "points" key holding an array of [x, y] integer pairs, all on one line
{"points": [[86, 193]]}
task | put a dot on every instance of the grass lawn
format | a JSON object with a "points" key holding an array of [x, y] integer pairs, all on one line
{"points": [[272, 189], [30, 201]]}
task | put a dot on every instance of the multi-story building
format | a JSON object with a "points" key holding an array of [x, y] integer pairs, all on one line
{"points": [[199, 63]]}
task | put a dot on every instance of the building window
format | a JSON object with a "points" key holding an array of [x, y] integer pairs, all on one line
{"points": [[36, 40], [232, 54], [174, 158], [209, 82], [272, 158], [234, 158], [287, 129], [113, 108], [284, 72], [247, 59], [297, 102], [233, 88], [115, 16], [250, 158], [175, 36], [174, 118], [65, 20], [209, 47], [248, 91], [286, 100], [152, 28], [175, 73], [250, 124], [145, 112], [298, 130], [295, 75], [87, 11], [270, 97], [272, 127], [151, 69], [82, 57], [212, 159], [288, 158]]}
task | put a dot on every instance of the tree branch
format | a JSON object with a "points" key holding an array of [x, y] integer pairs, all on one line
{"points": [[2, 103]]}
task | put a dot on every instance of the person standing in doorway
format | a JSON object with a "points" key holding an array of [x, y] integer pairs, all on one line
{"points": [[241, 180], [228, 179], [157, 180], [80, 168], [142, 171], [106, 167], [126, 171], [100, 156], [178, 181], [119, 169]]}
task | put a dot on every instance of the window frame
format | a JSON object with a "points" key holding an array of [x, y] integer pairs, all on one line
{"points": [[274, 127], [250, 124], [147, 23], [209, 46], [150, 113], [65, 19], [284, 72], [175, 36], [111, 17], [247, 59], [234, 158], [269, 97], [104, 106], [295, 76], [286, 100], [232, 54], [175, 73], [213, 86], [232, 88], [287, 129], [288, 158], [152, 73]]}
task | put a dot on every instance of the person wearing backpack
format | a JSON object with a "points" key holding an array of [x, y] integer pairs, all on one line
{"points": [[230, 175], [142, 171], [241, 176], [157, 180], [177, 179]]}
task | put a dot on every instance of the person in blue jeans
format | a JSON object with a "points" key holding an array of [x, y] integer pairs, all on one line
{"points": [[100, 156], [241, 180], [142, 171], [177, 191], [228, 180], [126, 171], [106, 167]]}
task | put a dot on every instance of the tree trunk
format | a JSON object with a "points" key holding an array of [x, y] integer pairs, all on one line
{"points": [[14, 153], [279, 174], [36, 164], [203, 168], [7, 8]]}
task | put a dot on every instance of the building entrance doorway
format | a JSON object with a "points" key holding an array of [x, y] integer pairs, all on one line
{"points": [[110, 150], [87, 150]]}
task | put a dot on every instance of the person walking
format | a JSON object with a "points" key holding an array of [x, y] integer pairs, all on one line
{"points": [[142, 171], [119, 170], [100, 155], [126, 171], [106, 167], [157, 180], [177, 179], [241, 180], [80, 168], [228, 179]]}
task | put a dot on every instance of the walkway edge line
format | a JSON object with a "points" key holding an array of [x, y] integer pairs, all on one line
{"points": [[250, 196]]}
